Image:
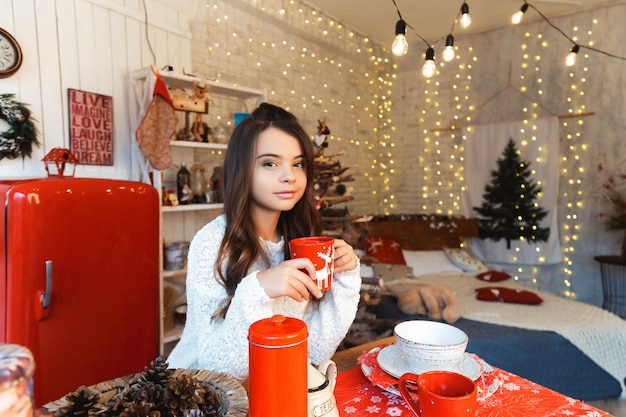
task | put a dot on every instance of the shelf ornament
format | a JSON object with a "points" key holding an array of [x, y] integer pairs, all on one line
{"points": [[18, 139]]}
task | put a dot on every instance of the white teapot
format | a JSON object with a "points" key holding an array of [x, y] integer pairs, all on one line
{"points": [[321, 384]]}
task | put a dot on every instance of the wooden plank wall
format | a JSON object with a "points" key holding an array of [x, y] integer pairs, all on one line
{"points": [[89, 45]]}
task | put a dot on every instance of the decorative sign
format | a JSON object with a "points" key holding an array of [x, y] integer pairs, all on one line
{"points": [[91, 127]]}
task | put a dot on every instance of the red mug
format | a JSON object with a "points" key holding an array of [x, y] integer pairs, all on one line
{"points": [[439, 393], [321, 251]]}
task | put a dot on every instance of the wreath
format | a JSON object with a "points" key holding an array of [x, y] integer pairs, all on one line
{"points": [[18, 140]]}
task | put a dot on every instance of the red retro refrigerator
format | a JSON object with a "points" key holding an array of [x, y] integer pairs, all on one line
{"points": [[79, 267]]}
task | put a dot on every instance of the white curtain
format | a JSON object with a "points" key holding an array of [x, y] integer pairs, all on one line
{"points": [[538, 142]]}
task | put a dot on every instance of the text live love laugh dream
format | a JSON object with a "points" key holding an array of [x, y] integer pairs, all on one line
{"points": [[91, 127]]}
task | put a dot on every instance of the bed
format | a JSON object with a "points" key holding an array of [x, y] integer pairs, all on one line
{"points": [[569, 346]]}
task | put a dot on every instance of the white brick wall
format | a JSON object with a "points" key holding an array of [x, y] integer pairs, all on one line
{"points": [[311, 74]]}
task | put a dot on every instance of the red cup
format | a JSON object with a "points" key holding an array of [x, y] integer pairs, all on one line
{"points": [[321, 251], [439, 393]]}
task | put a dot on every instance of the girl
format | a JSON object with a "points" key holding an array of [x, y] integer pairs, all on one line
{"points": [[239, 269]]}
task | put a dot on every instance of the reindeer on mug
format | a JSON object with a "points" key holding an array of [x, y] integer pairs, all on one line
{"points": [[324, 275]]}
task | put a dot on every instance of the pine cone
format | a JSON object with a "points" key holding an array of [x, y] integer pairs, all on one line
{"points": [[159, 373], [184, 393], [151, 393], [82, 402], [140, 409], [215, 402]]}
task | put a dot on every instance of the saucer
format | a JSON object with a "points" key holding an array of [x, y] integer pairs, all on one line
{"points": [[394, 363], [487, 384]]}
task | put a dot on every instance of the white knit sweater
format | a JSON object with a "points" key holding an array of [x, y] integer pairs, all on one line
{"points": [[223, 346]]}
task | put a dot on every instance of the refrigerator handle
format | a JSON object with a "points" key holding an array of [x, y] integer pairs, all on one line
{"points": [[45, 298], [42, 302]]}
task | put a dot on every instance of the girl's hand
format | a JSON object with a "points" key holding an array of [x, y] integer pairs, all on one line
{"points": [[345, 258], [290, 278]]}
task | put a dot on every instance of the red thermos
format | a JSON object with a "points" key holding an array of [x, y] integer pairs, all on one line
{"points": [[277, 384]]}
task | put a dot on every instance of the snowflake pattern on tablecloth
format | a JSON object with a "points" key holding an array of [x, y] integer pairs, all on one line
{"points": [[394, 411], [360, 395]]}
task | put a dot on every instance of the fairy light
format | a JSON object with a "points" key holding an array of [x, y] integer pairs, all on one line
{"points": [[440, 155], [355, 54]]}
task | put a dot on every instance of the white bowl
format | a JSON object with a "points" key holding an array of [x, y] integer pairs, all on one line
{"points": [[430, 345]]}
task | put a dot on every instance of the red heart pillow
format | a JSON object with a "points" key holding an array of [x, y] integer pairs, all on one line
{"points": [[507, 295], [384, 250], [493, 276]]}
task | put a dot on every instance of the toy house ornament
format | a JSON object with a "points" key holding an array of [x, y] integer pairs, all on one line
{"points": [[58, 158]]}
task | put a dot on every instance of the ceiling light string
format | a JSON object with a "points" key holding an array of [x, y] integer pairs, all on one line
{"points": [[400, 44], [448, 53], [570, 59], [406, 25]]}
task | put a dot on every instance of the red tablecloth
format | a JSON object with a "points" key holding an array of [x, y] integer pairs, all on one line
{"points": [[513, 396]]}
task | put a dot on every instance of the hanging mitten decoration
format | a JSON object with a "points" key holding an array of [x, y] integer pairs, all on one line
{"points": [[157, 127]]}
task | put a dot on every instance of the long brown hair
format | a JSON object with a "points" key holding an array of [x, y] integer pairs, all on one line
{"points": [[241, 246]]}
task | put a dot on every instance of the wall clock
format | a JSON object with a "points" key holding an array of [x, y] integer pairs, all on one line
{"points": [[10, 54]]}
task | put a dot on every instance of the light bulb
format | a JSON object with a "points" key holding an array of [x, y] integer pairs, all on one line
{"points": [[466, 20], [429, 68], [400, 46], [448, 53], [570, 59], [519, 15]]}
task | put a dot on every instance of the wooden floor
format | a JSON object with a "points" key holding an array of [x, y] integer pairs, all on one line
{"points": [[614, 406]]}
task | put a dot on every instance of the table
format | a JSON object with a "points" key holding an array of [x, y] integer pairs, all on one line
{"points": [[613, 272], [516, 397]]}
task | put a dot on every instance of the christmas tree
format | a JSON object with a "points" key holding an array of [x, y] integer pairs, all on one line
{"points": [[329, 184], [509, 209]]}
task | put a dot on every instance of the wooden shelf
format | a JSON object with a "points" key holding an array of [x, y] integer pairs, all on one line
{"points": [[173, 79], [192, 207], [226, 96], [172, 274], [174, 334], [198, 145]]}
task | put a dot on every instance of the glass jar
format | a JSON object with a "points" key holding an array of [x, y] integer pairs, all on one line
{"points": [[183, 180], [16, 381], [221, 133], [198, 184], [216, 184]]}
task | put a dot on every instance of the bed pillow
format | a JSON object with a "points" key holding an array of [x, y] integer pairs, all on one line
{"points": [[507, 295], [464, 260], [429, 261], [384, 250], [493, 276]]}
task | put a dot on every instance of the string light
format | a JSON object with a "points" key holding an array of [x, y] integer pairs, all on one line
{"points": [[429, 68], [517, 17], [570, 59], [448, 51], [466, 20], [400, 45], [441, 176], [576, 45]]}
